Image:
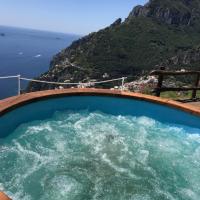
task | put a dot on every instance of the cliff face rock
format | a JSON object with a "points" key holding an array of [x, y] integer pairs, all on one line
{"points": [[162, 32], [184, 12], [116, 23], [189, 58]]}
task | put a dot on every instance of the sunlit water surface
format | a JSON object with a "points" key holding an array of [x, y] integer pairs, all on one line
{"points": [[84, 155]]}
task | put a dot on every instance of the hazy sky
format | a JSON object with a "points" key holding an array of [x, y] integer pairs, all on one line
{"points": [[70, 16]]}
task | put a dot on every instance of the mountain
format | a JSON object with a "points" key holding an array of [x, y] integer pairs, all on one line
{"points": [[160, 33]]}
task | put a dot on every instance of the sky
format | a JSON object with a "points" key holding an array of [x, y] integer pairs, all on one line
{"points": [[67, 16]]}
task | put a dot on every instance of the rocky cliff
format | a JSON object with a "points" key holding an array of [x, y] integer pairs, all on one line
{"points": [[173, 12], [162, 32]]}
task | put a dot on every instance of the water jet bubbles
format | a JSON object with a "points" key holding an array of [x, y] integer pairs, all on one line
{"points": [[62, 187], [93, 155]]}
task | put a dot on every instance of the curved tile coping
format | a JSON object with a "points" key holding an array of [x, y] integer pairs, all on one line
{"points": [[40, 105], [3, 196]]}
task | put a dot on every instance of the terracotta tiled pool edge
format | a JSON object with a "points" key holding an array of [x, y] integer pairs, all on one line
{"points": [[3, 196], [11, 103]]}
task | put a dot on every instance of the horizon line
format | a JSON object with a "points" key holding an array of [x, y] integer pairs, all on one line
{"points": [[43, 30]]}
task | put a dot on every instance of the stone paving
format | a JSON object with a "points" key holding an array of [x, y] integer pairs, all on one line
{"points": [[195, 104]]}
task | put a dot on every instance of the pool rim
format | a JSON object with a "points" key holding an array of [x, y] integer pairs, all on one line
{"points": [[9, 104], [3, 196]]}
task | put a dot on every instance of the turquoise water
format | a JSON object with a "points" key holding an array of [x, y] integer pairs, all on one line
{"points": [[93, 155]]}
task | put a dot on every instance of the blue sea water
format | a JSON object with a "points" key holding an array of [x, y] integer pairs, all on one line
{"points": [[28, 53]]}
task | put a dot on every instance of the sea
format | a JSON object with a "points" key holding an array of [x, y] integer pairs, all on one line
{"points": [[28, 53]]}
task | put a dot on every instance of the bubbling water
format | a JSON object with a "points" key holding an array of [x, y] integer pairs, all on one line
{"points": [[92, 155]]}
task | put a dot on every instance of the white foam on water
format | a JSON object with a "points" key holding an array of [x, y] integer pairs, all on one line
{"points": [[112, 165], [143, 156], [62, 187], [83, 155], [37, 56], [37, 129], [145, 121], [189, 194], [194, 137]]}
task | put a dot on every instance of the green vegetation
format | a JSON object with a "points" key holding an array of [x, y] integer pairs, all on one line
{"points": [[163, 32], [178, 95], [130, 48], [138, 44]]}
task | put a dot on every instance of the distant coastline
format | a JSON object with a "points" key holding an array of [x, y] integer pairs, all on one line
{"points": [[38, 30], [27, 52]]}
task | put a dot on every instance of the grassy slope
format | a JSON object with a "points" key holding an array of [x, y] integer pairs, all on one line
{"points": [[138, 45]]}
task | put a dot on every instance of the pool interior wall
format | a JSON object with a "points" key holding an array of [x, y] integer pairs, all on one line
{"points": [[44, 109]]}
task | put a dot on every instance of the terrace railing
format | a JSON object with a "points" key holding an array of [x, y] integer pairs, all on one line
{"points": [[162, 73], [79, 84]]}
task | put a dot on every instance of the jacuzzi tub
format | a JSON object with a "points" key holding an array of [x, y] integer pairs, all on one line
{"points": [[121, 112]]}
